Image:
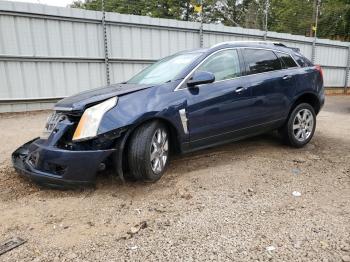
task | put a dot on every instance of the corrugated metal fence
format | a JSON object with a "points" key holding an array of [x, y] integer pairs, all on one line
{"points": [[50, 52]]}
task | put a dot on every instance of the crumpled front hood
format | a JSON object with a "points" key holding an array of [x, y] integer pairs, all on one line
{"points": [[80, 101]]}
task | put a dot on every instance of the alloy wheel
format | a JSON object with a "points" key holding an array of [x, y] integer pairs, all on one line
{"points": [[159, 150], [303, 125]]}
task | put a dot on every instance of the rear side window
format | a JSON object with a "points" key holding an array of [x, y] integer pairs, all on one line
{"points": [[287, 60], [224, 65], [303, 61], [260, 61]]}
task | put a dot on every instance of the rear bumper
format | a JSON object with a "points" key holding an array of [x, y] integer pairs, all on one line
{"points": [[51, 166]]}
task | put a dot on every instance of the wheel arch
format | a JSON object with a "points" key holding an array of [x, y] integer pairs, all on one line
{"points": [[173, 132], [309, 98]]}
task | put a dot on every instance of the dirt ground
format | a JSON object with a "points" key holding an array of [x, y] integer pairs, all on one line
{"points": [[232, 202]]}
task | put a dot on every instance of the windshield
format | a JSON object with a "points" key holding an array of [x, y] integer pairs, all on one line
{"points": [[164, 70]]}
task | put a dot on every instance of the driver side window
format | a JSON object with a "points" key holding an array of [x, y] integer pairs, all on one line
{"points": [[224, 65]]}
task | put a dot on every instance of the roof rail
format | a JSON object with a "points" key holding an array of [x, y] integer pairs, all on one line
{"points": [[295, 49], [259, 42], [248, 41]]}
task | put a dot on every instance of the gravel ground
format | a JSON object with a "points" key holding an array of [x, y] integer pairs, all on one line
{"points": [[232, 202]]}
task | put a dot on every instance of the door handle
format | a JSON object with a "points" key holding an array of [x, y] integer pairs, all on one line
{"points": [[286, 77], [240, 89]]}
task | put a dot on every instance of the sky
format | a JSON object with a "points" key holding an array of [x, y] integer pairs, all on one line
{"points": [[63, 3]]}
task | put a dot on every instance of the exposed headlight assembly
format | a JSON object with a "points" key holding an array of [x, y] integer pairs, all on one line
{"points": [[91, 119]]}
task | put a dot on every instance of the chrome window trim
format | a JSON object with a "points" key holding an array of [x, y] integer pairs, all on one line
{"points": [[178, 87]]}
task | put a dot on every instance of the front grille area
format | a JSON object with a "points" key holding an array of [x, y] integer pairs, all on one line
{"points": [[33, 159], [53, 120]]}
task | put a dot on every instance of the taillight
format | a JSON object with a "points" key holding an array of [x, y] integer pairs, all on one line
{"points": [[319, 69]]}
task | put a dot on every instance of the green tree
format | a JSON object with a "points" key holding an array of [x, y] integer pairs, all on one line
{"points": [[287, 16], [173, 9], [291, 16], [334, 19]]}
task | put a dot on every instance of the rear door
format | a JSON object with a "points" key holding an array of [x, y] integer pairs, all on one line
{"points": [[271, 85]]}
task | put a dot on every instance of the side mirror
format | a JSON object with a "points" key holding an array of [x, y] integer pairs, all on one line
{"points": [[200, 78]]}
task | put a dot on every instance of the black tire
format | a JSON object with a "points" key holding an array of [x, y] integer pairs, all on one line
{"points": [[139, 152], [290, 133]]}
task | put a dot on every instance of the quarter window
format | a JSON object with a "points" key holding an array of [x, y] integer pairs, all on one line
{"points": [[260, 61], [287, 60], [303, 61], [224, 65]]}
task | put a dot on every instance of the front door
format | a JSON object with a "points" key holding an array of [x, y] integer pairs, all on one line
{"points": [[215, 110]]}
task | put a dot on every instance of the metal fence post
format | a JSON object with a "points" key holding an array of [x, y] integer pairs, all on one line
{"points": [[201, 26], [315, 28], [105, 40], [265, 35], [347, 72], [266, 18], [201, 35], [313, 54]]}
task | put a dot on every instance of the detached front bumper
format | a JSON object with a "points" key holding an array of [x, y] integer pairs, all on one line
{"points": [[51, 166]]}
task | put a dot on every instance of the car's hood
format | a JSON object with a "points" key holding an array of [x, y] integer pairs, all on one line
{"points": [[80, 101]]}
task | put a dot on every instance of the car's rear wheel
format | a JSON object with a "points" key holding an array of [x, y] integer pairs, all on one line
{"points": [[148, 153], [300, 128]]}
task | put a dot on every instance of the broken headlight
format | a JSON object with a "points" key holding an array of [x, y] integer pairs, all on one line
{"points": [[91, 119]]}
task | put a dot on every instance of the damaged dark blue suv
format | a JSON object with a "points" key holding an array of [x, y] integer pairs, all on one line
{"points": [[184, 102]]}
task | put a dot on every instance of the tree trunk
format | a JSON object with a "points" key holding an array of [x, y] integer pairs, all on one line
{"points": [[187, 10]]}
